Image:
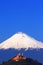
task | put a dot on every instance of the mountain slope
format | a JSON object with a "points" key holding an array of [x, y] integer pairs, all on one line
{"points": [[28, 61], [21, 40]]}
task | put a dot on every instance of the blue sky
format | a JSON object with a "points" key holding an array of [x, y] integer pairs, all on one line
{"points": [[21, 16]]}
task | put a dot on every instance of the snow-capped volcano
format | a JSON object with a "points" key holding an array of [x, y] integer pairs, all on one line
{"points": [[21, 40], [21, 43]]}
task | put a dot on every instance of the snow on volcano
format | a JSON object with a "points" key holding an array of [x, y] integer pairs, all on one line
{"points": [[21, 40]]}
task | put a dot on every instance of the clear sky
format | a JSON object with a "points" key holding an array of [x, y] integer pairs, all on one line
{"points": [[21, 16]]}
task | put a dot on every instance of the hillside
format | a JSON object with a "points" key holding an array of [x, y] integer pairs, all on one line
{"points": [[28, 61], [21, 60]]}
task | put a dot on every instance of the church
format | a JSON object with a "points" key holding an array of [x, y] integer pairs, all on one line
{"points": [[19, 57]]}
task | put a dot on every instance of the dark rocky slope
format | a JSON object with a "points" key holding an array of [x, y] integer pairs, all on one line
{"points": [[28, 61]]}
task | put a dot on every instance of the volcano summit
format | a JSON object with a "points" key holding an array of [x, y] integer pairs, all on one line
{"points": [[21, 40]]}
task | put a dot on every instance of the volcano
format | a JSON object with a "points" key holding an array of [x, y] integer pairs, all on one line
{"points": [[21, 43], [21, 40]]}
